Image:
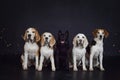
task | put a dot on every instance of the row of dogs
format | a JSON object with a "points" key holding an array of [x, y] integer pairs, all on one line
{"points": [[58, 51]]}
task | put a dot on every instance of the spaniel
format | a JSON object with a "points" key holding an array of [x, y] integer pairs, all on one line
{"points": [[80, 43], [96, 49], [31, 48], [47, 51]]}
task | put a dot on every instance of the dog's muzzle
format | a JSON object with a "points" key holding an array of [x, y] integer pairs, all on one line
{"points": [[100, 37]]}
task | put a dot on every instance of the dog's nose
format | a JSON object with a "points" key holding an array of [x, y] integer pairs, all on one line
{"points": [[29, 35], [100, 36], [46, 38], [80, 40]]}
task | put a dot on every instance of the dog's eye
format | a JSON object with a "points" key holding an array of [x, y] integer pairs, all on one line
{"points": [[44, 35], [33, 31], [77, 36], [98, 32], [83, 37], [49, 35]]}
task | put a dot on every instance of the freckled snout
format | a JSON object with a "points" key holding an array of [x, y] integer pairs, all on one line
{"points": [[29, 35]]}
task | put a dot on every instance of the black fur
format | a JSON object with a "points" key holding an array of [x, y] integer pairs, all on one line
{"points": [[62, 47], [93, 43]]}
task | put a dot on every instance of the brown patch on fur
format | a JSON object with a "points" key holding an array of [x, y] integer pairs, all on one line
{"points": [[25, 36], [42, 40], [95, 32], [37, 54], [106, 33], [52, 42], [37, 36]]}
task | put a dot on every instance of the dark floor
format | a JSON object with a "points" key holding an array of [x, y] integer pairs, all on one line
{"points": [[10, 69]]}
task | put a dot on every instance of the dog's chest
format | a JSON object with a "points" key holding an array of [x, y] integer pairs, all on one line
{"points": [[31, 47], [98, 48], [46, 51], [79, 53]]}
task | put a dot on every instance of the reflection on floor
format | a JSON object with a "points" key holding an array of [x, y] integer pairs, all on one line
{"points": [[10, 69]]}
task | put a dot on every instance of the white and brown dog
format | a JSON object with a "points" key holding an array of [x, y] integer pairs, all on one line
{"points": [[96, 49], [31, 48], [80, 43], [47, 51]]}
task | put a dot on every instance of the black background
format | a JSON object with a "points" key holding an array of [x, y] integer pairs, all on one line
{"points": [[53, 15]]}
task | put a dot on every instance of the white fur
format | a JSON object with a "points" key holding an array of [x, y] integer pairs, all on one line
{"points": [[96, 51], [47, 52], [78, 52]]}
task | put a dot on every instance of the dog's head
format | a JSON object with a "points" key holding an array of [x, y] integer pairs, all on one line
{"points": [[100, 33], [63, 37], [80, 40], [32, 35], [47, 39]]}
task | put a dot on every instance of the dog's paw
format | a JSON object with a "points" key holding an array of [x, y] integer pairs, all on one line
{"points": [[102, 69], [75, 69], [24, 67], [84, 69], [39, 69], [53, 69], [91, 69], [36, 67]]}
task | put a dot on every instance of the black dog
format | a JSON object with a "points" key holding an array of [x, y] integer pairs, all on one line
{"points": [[62, 51]]}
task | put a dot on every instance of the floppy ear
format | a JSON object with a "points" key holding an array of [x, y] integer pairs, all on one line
{"points": [[42, 40], [67, 33], [37, 36], [25, 36], [106, 33], [85, 42], [95, 32], [52, 41], [74, 41]]}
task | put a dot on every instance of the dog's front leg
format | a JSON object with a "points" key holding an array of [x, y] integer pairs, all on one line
{"points": [[25, 61], [91, 62], [36, 63], [41, 63], [83, 62], [52, 63], [74, 64], [101, 62]]}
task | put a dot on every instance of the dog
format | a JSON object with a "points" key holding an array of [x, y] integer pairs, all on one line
{"points": [[80, 43], [47, 50], [62, 46], [31, 48], [96, 49]]}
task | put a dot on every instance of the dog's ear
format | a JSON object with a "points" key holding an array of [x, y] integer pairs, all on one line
{"points": [[25, 36], [37, 36], [67, 33], [95, 32], [85, 42], [52, 41], [75, 43], [42, 40], [106, 33]]}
